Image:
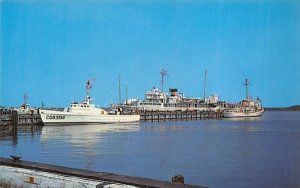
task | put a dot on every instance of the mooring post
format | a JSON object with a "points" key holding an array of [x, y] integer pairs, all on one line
{"points": [[1, 121], [178, 179], [152, 116], [14, 116], [32, 116]]}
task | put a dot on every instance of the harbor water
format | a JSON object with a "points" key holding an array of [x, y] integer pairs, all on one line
{"points": [[252, 152]]}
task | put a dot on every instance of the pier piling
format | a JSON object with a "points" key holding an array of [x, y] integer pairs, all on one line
{"points": [[14, 122], [178, 115]]}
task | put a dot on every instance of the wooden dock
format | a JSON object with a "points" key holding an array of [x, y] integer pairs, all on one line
{"points": [[102, 176], [179, 115], [11, 116], [10, 120]]}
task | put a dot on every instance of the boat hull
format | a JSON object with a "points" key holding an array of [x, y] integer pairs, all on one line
{"points": [[50, 117], [242, 114]]}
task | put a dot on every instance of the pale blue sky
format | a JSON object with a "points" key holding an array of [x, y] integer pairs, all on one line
{"points": [[50, 48]]}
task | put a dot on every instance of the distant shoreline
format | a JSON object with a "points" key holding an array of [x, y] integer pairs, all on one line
{"points": [[291, 108]]}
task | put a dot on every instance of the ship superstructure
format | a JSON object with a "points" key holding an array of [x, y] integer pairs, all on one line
{"points": [[157, 100]]}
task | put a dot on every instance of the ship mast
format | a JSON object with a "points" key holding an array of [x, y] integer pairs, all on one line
{"points": [[246, 84], [25, 100], [119, 88], [88, 87], [126, 94], [204, 94], [163, 73]]}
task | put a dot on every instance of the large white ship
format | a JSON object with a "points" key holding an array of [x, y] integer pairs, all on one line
{"points": [[156, 100], [246, 108], [84, 113]]}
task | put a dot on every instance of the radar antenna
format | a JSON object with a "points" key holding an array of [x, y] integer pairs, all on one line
{"points": [[163, 73]]}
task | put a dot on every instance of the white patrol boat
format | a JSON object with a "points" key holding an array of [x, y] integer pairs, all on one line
{"points": [[84, 113], [246, 108]]}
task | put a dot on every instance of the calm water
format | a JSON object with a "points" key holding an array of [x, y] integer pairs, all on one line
{"points": [[262, 152]]}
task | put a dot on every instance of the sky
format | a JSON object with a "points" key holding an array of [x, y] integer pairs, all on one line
{"points": [[49, 49]]}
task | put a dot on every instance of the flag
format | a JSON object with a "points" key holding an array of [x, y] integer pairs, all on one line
{"points": [[89, 84]]}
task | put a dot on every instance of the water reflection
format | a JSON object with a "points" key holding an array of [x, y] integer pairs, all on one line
{"points": [[85, 134], [13, 134], [162, 127], [244, 119], [83, 143], [227, 152]]}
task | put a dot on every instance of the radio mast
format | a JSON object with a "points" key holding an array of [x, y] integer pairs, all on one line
{"points": [[246, 84], [163, 73], [25, 98]]}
